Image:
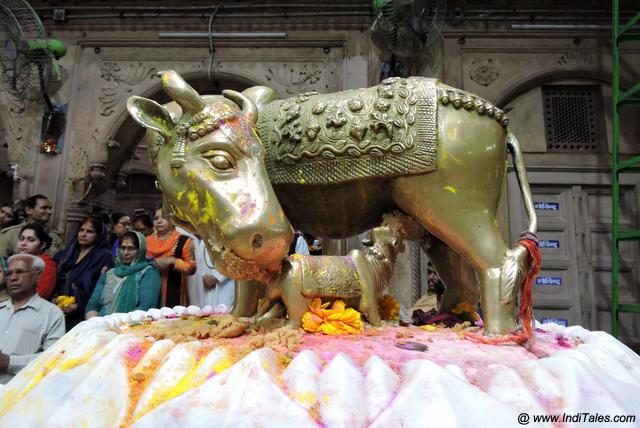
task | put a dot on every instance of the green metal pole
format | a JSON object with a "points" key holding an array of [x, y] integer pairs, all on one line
{"points": [[615, 188]]}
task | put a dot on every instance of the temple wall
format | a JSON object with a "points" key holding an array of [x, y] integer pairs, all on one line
{"points": [[101, 69], [107, 63]]}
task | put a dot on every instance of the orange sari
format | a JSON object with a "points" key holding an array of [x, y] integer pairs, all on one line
{"points": [[185, 262]]}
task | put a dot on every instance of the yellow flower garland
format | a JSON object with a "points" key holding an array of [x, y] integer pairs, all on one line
{"points": [[64, 301], [335, 321]]}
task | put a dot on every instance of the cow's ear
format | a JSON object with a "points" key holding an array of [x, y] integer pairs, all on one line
{"points": [[151, 115]]}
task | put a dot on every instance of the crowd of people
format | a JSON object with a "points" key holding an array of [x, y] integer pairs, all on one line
{"points": [[112, 264]]}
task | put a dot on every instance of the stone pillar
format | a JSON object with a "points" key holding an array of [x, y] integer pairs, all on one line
{"points": [[76, 212], [405, 282]]}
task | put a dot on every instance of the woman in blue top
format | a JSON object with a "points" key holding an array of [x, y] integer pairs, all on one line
{"points": [[79, 267], [133, 284]]}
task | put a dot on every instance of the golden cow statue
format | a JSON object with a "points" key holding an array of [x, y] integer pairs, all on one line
{"points": [[229, 165]]}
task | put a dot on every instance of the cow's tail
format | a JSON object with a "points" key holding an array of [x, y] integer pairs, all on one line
{"points": [[521, 263], [523, 181]]}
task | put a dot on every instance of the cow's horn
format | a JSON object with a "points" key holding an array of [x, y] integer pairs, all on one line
{"points": [[248, 107], [181, 92]]}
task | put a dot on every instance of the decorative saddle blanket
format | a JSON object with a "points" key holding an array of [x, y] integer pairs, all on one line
{"points": [[323, 276], [385, 131]]}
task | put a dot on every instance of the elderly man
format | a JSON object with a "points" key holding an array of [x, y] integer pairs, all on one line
{"points": [[38, 210], [28, 323]]}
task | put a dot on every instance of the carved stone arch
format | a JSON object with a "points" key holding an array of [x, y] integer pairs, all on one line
{"points": [[529, 82], [230, 77]]}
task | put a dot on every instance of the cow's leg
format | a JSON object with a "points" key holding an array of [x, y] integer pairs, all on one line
{"points": [[458, 277], [289, 288], [271, 311], [458, 201], [247, 296], [474, 234], [368, 304], [297, 304]]}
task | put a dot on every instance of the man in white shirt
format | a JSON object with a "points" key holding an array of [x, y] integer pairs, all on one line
{"points": [[300, 246], [28, 324], [207, 286]]}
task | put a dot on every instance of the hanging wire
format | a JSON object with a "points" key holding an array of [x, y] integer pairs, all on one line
{"points": [[212, 48]]}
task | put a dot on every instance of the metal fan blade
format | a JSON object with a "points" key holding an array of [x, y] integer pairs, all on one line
{"points": [[26, 67], [407, 26]]}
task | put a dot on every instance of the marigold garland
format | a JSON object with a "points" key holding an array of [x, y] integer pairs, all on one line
{"points": [[335, 321], [467, 310], [389, 307]]}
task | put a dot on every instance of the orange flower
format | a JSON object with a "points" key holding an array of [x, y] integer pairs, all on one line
{"points": [[334, 321], [467, 311], [389, 307]]}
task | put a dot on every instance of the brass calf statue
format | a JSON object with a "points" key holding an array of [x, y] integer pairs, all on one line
{"points": [[358, 278]]}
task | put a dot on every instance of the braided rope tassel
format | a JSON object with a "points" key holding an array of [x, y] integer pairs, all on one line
{"points": [[526, 297], [529, 241]]}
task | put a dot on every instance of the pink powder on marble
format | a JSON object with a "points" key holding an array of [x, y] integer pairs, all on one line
{"points": [[177, 413], [445, 347], [563, 341], [135, 353]]}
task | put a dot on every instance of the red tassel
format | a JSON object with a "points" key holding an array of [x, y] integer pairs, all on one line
{"points": [[526, 298], [525, 312]]}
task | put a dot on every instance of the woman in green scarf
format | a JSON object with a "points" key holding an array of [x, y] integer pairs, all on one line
{"points": [[132, 284]]}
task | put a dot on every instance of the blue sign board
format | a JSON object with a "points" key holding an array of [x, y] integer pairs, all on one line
{"points": [[559, 321], [548, 280], [549, 243], [546, 206]]}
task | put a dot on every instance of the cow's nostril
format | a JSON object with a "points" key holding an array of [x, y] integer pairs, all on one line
{"points": [[256, 242]]}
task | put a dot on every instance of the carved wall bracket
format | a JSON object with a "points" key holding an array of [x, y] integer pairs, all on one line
{"points": [[97, 172]]}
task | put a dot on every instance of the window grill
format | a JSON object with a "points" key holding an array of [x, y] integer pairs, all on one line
{"points": [[573, 118]]}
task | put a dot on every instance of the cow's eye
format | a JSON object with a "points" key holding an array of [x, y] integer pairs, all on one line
{"points": [[221, 161]]}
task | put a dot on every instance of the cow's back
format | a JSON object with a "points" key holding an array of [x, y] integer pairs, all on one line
{"points": [[331, 158], [381, 132]]}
